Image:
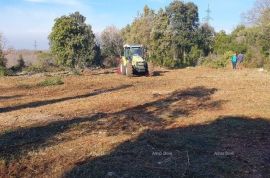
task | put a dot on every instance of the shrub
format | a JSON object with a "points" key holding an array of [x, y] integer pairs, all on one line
{"points": [[35, 69], [218, 61], [21, 62], [170, 63], [111, 61], [20, 65], [3, 71], [193, 56], [45, 59], [51, 81], [3, 61], [267, 65]]}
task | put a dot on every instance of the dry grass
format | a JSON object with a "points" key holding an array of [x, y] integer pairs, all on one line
{"points": [[195, 122]]}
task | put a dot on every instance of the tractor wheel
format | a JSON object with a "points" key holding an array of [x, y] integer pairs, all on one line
{"points": [[122, 69], [150, 67], [129, 70]]}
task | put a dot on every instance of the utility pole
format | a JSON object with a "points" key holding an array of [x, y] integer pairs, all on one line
{"points": [[35, 45], [208, 17]]}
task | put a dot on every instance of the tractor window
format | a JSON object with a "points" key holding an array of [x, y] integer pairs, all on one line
{"points": [[127, 52], [137, 51]]}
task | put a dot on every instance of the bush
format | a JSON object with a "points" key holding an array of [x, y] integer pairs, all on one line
{"points": [[3, 71], [267, 64], [255, 59], [111, 61], [170, 63], [218, 61], [193, 56], [51, 81], [21, 62], [3, 61], [34, 69], [20, 65], [46, 59]]}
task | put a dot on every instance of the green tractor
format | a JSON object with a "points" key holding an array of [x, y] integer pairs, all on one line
{"points": [[133, 61]]}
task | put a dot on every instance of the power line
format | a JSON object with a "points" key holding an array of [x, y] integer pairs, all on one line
{"points": [[35, 45], [208, 17]]}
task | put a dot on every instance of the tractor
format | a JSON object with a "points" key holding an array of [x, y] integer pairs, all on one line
{"points": [[133, 61]]}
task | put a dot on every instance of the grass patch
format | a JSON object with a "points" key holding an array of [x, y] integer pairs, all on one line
{"points": [[51, 81]]}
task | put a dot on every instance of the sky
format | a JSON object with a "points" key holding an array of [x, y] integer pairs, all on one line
{"points": [[22, 22]]}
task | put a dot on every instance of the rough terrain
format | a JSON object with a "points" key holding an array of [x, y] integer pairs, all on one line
{"points": [[194, 122]]}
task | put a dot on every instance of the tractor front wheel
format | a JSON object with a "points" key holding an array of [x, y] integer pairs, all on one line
{"points": [[129, 70], [122, 69]]}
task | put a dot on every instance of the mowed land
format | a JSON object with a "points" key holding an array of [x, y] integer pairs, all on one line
{"points": [[195, 122]]}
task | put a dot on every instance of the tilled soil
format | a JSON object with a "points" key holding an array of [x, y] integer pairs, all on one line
{"points": [[194, 122]]}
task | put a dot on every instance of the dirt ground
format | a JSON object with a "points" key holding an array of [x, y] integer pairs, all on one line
{"points": [[194, 122]]}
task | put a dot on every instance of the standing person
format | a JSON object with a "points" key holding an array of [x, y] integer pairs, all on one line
{"points": [[240, 59], [234, 60]]}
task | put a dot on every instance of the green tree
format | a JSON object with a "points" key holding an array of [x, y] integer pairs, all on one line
{"points": [[205, 38], [184, 22], [160, 51], [264, 35], [139, 31], [72, 41], [3, 60], [172, 35], [222, 43], [2, 56], [98, 58]]}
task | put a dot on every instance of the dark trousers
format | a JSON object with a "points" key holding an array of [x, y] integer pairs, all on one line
{"points": [[234, 65]]}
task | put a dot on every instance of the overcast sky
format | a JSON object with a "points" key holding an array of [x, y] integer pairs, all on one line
{"points": [[24, 21]]}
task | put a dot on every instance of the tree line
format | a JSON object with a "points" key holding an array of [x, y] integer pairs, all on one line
{"points": [[173, 37]]}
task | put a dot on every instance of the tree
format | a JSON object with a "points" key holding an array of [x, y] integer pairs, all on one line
{"points": [[161, 41], [184, 22], [3, 60], [98, 58], [172, 35], [111, 42], [139, 31], [205, 38], [72, 41], [221, 43], [257, 35], [264, 35], [260, 8]]}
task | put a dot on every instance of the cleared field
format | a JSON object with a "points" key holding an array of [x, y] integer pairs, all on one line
{"points": [[195, 122]]}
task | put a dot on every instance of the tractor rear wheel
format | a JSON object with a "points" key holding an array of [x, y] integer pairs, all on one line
{"points": [[122, 69], [129, 70], [150, 67]]}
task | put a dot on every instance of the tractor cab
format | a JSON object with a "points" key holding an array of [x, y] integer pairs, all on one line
{"points": [[133, 50]]}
